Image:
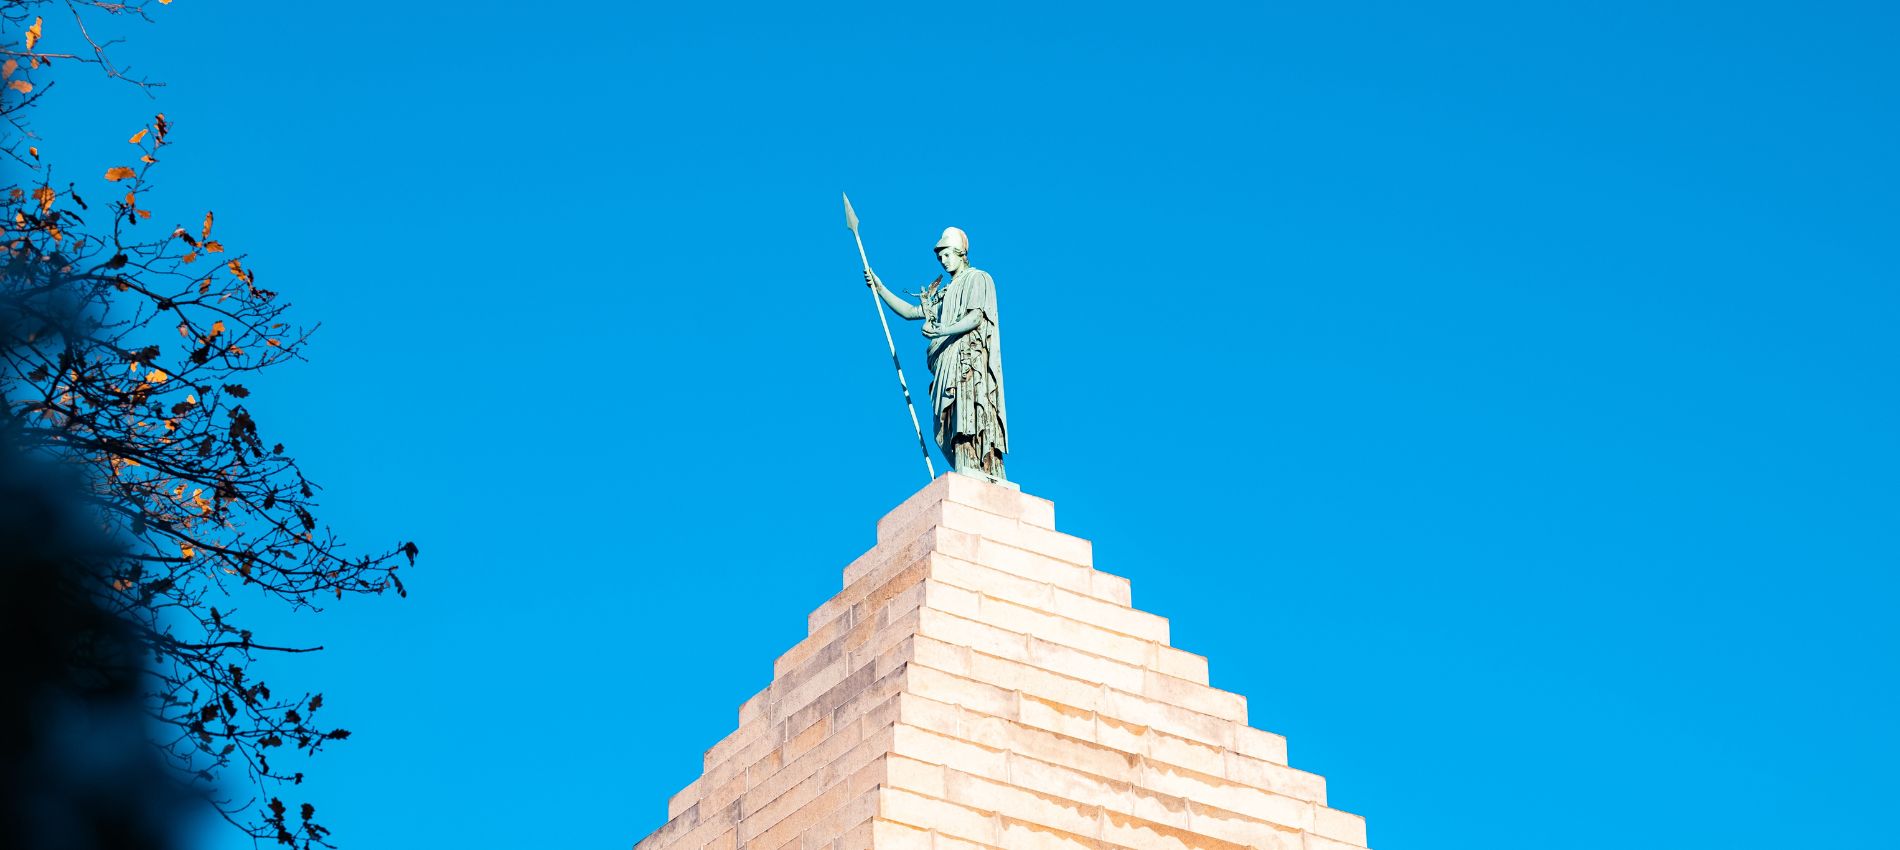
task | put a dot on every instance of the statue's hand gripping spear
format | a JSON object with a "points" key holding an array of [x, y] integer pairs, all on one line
{"points": [[851, 221]]}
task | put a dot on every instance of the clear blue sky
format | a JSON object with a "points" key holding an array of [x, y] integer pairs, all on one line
{"points": [[1501, 395]]}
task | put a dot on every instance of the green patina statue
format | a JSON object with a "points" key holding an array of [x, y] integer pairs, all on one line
{"points": [[966, 359]]}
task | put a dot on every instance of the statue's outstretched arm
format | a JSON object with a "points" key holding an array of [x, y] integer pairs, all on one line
{"points": [[961, 326], [898, 305]]}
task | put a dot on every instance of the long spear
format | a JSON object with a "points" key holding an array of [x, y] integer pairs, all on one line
{"points": [[877, 303]]}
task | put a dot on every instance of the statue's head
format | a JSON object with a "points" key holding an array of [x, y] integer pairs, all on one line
{"points": [[953, 250]]}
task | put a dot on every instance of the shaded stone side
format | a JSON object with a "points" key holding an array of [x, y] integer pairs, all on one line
{"points": [[977, 683]]}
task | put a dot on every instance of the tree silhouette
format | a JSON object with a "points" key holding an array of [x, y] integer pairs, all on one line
{"points": [[130, 342]]}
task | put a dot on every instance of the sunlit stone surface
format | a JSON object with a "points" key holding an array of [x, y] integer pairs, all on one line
{"points": [[978, 684]]}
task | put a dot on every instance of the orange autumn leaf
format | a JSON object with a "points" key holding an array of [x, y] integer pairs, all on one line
{"points": [[216, 329], [45, 196], [186, 550], [213, 246], [206, 232], [272, 343], [147, 159], [33, 34], [6, 70], [34, 151], [20, 86], [157, 376], [145, 213], [190, 256], [119, 172], [137, 136]]}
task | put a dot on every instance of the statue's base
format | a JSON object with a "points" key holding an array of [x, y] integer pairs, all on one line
{"points": [[978, 684], [985, 478]]}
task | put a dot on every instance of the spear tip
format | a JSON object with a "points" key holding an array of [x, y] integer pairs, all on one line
{"points": [[850, 215]]}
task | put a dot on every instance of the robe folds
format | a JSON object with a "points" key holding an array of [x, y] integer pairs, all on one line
{"points": [[966, 371]]}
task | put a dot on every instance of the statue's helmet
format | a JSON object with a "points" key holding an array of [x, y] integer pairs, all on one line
{"points": [[954, 237]]}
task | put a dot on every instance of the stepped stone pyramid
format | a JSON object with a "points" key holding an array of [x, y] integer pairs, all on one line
{"points": [[977, 684]]}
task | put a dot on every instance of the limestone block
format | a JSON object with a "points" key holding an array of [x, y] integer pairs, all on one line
{"points": [[1108, 615], [1024, 835], [1053, 716], [1053, 780], [1002, 584], [872, 590], [951, 488], [1180, 752], [1040, 513], [913, 775], [1340, 826], [686, 797], [1014, 676], [940, 655], [988, 525], [1030, 565], [1172, 719], [1062, 630], [849, 742], [674, 827], [805, 804], [929, 813], [819, 637], [1030, 743], [1201, 698], [1320, 842], [1086, 666], [1038, 595], [1142, 834], [847, 825], [1220, 793], [1055, 544], [722, 794], [891, 835], [1264, 746], [1277, 778], [752, 708], [933, 748], [956, 690], [807, 738], [951, 842], [911, 545], [1113, 588], [981, 637], [1232, 826], [1119, 734], [953, 600], [914, 710], [988, 795], [1181, 665], [858, 837], [1159, 808], [740, 738]]}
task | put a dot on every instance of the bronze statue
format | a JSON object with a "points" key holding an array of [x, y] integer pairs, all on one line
{"points": [[965, 353]]}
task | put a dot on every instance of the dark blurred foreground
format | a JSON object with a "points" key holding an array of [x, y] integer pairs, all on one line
{"points": [[77, 767]]}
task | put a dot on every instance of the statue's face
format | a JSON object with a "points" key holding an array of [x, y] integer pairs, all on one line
{"points": [[950, 259]]}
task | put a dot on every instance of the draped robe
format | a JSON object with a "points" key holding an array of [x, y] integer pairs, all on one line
{"points": [[966, 371]]}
